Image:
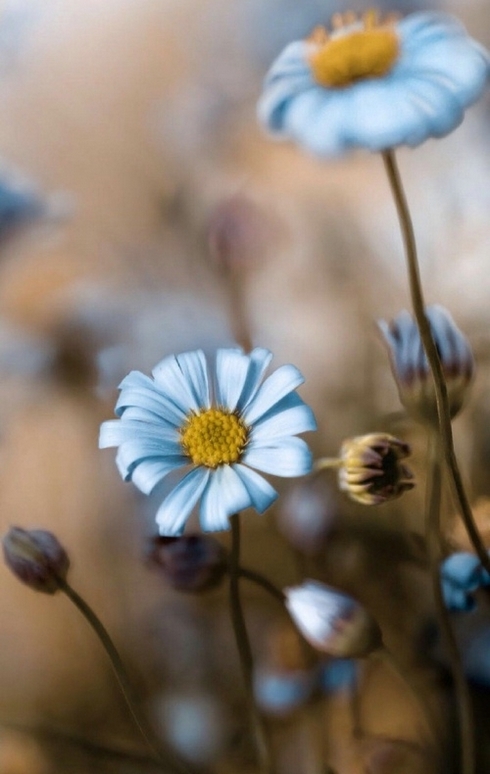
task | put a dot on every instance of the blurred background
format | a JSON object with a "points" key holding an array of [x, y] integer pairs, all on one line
{"points": [[128, 150]]}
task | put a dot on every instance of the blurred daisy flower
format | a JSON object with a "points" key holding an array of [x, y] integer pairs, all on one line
{"points": [[410, 366], [374, 83], [220, 423], [461, 575]]}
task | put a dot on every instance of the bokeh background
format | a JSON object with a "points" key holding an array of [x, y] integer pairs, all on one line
{"points": [[127, 139]]}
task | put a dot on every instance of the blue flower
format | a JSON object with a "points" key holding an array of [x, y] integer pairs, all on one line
{"points": [[219, 424], [461, 575], [410, 366], [375, 85]]}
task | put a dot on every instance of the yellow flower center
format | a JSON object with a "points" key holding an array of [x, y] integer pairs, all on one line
{"points": [[214, 437], [357, 49]]}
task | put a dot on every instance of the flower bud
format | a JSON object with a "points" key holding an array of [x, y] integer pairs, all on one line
{"points": [[332, 622], [461, 575], [308, 514], [371, 471], [410, 366], [36, 558], [188, 563], [339, 674]]}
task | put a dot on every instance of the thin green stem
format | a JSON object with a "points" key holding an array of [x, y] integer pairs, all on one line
{"points": [[153, 743], [243, 645], [442, 402], [263, 582], [433, 536]]}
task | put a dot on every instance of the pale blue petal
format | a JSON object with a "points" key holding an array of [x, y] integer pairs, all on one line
{"points": [[140, 414], [139, 390], [290, 457], [150, 471], [419, 30], [324, 135], [290, 421], [131, 453], [225, 495], [292, 62], [195, 370], [262, 494], [177, 506], [276, 386], [232, 367], [273, 106], [117, 431], [170, 380], [459, 68], [463, 570], [259, 359]]}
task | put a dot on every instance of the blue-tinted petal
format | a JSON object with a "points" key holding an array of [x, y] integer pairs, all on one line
{"points": [[232, 367], [174, 384], [298, 418], [290, 457], [225, 495], [277, 386], [132, 452], [117, 431], [150, 471], [177, 506], [259, 360], [462, 569], [261, 493]]}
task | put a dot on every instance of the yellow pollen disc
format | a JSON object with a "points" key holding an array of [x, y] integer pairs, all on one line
{"points": [[350, 56], [214, 437]]}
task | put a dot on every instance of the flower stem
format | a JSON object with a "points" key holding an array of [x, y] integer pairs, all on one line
{"points": [[327, 462], [263, 582], [243, 645], [153, 743], [442, 402], [433, 536]]}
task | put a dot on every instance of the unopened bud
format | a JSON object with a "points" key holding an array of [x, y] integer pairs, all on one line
{"points": [[188, 563], [372, 471], [36, 558], [410, 366], [308, 514], [332, 622]]}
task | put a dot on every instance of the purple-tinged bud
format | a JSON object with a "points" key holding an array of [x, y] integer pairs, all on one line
{"points": [[308, 514], [189, 563], [36, 558], [410, 366], [372, 470], [332, 622]]}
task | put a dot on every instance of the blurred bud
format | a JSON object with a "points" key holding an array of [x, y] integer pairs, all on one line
{"points": [[461, 575], [410, 366], [331, 621], [339, 674], [195, 725], [372, 471], [308, 514], [36, 558], [188, 563]]}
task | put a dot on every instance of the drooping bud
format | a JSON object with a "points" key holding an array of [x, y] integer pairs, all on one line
{"points": [[372, 470], [189, 563], [461, 575], [331, 621], [410, 366], [36, 558]]}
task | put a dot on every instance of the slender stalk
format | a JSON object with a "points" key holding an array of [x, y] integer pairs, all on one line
{"points": [[243, 645], [153, 743], [328, 462], [442, 402], [263, 582], [433, 535]]}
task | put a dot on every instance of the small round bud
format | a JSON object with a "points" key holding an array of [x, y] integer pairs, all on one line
{"points": [[461, 575], [188, 563], [308, 514], [371, 471], [411, 368], [332, 622], [36, 558]]}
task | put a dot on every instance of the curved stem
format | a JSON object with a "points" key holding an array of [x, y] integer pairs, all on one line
{"points": [[153, 743], [263, 582], [433, 535], [443, 412], [243, 645]]}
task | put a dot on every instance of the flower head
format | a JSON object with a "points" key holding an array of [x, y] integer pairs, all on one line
{"points": [[410, 366], [461, 575], [372, 470], [219, 424], [36, 558], [331, 621], [189, 562], [374, 83]]}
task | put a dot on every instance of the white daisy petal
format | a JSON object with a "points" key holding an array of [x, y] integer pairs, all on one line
{"points": [[261, 493], [275, 387], [194, 368], [232, 367], [225, 495], [177, 506], [290, 421], [148, 397], [131, 453], [150, 472], [290, 457], [115, 432], [259, 360], [171, 381]]}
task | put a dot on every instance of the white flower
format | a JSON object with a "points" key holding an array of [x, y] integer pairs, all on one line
{"points": [[374, 85], [222, 424], [331, 621]]}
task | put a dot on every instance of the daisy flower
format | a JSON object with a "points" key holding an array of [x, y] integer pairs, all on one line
{"points": [[373, 83], [221, 423]]}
